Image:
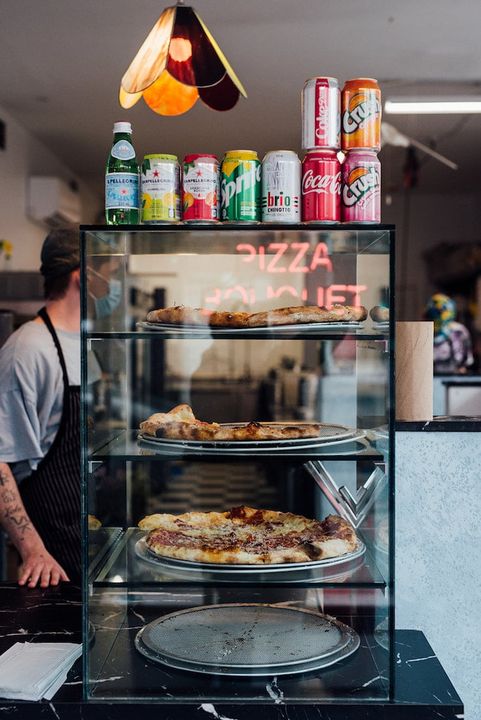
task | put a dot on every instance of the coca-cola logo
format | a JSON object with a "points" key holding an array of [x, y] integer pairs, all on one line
{"points": [[321, 184], [321, 117]]}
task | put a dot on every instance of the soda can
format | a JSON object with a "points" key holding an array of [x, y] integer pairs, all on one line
{"points": [[281, 187], [321, 187], [361, 190], [361, 115], [321, 121], [241, 186], [160, 187], [200, 188]]}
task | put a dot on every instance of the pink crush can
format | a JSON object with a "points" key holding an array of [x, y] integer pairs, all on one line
{"points": [[361, 187]]}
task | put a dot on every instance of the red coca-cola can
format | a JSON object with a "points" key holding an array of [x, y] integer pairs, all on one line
{"points": [[361, 187], [321, 187], [321, 119]]}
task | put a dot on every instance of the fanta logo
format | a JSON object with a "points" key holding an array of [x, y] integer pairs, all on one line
{"points": [[325, 184], [359, 183], [362, 107]]}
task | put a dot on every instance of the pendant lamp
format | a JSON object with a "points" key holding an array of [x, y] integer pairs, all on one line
{"points": [[179, 62]]}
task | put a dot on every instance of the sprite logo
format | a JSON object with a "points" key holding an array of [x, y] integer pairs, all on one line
{"points": [[361, 108], [360, 182], [237, 184]]}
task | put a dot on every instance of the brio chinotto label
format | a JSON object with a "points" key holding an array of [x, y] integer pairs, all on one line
{"points": [[241, 187], [123, 150], [121, 191], [281, 187], [160, 189]]}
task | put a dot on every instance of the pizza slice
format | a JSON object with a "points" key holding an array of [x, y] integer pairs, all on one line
{"points": [[182, 315], [180, 423]]}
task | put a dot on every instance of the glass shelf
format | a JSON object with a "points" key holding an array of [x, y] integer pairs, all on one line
{"points": [[223, 238], [124, 568], [126, 446], [318, 333]]}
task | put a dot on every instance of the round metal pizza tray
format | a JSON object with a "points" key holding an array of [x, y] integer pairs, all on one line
{"points": [[328, 433], [246, 639], [328, 568], [206, 330]]}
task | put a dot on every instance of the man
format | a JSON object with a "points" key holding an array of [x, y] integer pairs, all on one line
{"points": [[40, 424]]}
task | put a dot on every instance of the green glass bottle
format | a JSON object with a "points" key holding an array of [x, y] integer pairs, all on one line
{"points": [[122, 179]]}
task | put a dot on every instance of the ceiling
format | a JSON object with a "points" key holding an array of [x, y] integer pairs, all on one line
{"points": [[61, 62]]}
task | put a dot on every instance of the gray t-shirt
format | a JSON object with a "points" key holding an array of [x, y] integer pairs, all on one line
{"points": [[31, 393]]}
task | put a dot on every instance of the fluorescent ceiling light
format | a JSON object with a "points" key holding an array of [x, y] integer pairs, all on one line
{"points": [[406, 106]]}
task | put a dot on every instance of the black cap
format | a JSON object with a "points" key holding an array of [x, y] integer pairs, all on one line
{"points": [[60, 253]]}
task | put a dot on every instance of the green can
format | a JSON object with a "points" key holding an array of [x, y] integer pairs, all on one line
{"points": [[241, 186]]}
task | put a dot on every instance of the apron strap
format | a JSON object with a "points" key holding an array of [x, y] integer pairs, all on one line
{"points": [[45, 317]]}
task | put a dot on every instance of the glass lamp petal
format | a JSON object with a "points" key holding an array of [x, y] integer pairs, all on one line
{"points": [[128, 100], [222, 96], [222, 57], [166, 96], [192, 59], [151, 59]]}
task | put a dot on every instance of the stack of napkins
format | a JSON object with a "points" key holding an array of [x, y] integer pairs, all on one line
{"points": [[32, 671]]}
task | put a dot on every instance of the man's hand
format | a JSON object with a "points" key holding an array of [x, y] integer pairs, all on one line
{"points": [[39, 566]]}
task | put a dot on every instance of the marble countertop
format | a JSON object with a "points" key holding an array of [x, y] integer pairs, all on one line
{"points": [[423, 690]]}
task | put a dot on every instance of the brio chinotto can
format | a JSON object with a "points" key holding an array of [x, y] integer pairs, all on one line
{"points": [[321, 187], [361, 191], [281, 187], [361, 115], [200, 188], [320, 102], [160, 189], [241, 186]]}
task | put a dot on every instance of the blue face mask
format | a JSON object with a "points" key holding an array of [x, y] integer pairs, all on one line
{"points": [[104, 306]]}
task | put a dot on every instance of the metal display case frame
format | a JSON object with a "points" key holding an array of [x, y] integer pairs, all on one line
{"points": [[112, 587]]}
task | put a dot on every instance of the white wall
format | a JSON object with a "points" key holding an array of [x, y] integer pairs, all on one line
{"points": [[25, 156], [423, 221]]}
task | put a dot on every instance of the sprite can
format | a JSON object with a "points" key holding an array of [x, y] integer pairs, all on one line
{"points": [[241, 186], [160, 189]]}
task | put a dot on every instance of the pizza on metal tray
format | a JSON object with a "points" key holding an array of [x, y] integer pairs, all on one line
{"points": [[182, 315], [180, 423], [244, 535]]}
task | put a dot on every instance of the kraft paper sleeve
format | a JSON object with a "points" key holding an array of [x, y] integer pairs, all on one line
{"points": [[414, 371]]}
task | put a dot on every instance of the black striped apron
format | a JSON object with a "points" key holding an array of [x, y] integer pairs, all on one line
{"points": [[51, 494]]}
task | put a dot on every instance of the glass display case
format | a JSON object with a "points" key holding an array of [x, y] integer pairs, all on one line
{"points": [[171, 629]]}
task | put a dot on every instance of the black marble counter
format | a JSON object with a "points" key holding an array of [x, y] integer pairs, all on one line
{"points": [[442, 423], [422, 689]]}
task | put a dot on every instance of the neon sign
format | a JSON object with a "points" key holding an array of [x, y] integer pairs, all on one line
{"points": [[284, 257]]}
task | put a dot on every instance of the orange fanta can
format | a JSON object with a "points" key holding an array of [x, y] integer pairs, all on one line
{"points": [[361, 115]]}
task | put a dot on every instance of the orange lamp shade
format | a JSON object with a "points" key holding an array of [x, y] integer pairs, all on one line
{"points": [[168, 97], [179, 62]]}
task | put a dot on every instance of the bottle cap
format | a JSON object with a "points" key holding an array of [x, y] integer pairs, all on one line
{"points": [[122, 127]]}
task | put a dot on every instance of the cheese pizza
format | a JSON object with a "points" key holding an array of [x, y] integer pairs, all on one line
{"points": [[244, 535]]}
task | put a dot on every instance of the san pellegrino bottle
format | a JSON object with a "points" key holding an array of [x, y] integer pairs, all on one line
{"points": [[122, 179]]}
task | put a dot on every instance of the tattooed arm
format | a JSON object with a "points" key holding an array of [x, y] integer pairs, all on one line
{"points": [[37, 564]]}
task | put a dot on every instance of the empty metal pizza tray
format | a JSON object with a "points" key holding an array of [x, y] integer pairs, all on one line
{"points": [[246, 639]]}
